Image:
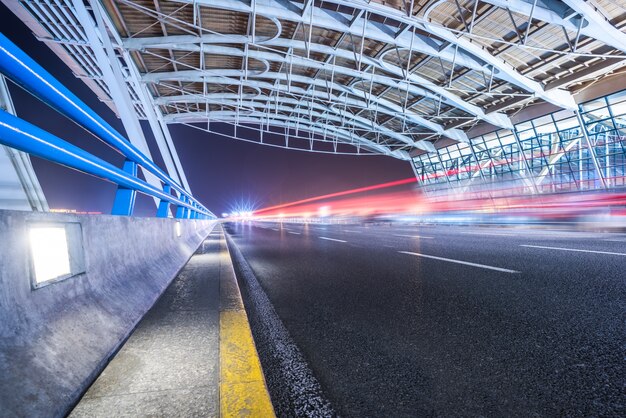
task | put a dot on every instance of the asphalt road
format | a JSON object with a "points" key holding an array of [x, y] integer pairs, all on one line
{"points": [[449, 320]]}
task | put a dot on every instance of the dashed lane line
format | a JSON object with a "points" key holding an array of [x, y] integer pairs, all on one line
{"points": [[495, 234], [412, 236], [573, 250], [333, 239], [467, 263]]}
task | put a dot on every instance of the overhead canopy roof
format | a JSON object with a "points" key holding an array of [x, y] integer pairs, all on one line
{"points": [[385, 76]]}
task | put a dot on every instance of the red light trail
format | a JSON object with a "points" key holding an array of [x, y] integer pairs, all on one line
{"points": [[338, 194], [509, 201]]}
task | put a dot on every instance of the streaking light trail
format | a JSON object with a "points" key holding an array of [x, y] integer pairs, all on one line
{"points": [[480, 203], [338, 194]]}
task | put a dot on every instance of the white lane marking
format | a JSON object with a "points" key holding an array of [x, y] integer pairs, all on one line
{"points": [[295, 233], [570, 235], [333, 239], [497, 234], [467, 263], [615, 240], [573, 249], [274, 229], [351, 231], [412, 236]]}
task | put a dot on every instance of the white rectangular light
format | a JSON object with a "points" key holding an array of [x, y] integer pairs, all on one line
{"points": [[50, 254]]}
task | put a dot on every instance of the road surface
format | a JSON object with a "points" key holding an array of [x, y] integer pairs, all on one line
{"points": [[407, 320]]}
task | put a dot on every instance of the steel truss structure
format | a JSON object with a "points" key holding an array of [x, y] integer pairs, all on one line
{"points": [[20, 188], [404, 78], [560, 152]]}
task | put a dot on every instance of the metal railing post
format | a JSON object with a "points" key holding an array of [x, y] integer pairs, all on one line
{"points": [[164, 205], [16, 65], [180, 210], [124, 202]]}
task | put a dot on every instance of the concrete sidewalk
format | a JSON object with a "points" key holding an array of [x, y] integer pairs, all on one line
{"points": [[170, 365]]}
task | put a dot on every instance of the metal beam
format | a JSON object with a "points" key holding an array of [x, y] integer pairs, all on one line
{"points": [[318, 102], [557, 12], [322, 113], [112, 73], [19, 186], [412, 83], [153, 114], [466, 49], [283, 121], [223, 77]]}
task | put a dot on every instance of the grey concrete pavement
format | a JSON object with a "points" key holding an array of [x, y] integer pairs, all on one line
{"points": [[170, 364]]}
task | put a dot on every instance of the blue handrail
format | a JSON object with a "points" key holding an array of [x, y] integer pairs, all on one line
{"points": [[23, 70], [24, 136]]}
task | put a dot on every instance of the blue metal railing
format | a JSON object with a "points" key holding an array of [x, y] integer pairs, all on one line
{"points": [[17, 133]]}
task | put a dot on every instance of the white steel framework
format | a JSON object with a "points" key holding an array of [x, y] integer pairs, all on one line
{"points": [[396, 77], [19, 186]]}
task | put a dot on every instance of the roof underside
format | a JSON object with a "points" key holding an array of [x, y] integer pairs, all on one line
{"points": [[383, 76]]}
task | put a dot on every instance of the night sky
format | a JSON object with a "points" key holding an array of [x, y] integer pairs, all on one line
{"points": [[222, 172]]}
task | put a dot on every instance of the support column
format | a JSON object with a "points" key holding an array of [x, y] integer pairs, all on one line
{"points": [[153, 113], [526, 164], [109, 64], [20, 189], [592, 153]]}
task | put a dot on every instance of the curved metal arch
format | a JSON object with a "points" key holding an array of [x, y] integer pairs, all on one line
{"points": [[298, 61], [198, 75], [395, 112], [220, 76], [337, 21], [360, 149], [181, 42], [322, 113], [362, 96], [550, 11], [506, 72], [429, 88], [295, 130], [287, 122], [283, 121]]}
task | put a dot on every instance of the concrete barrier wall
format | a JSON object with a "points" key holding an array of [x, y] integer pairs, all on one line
{"points": [[56, 339]]}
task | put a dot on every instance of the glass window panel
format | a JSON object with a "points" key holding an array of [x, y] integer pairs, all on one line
{"points": [[598, 114], [568, 123], [544, 120], [618, 109], [593, 104], [526, 135], [617, 97]]}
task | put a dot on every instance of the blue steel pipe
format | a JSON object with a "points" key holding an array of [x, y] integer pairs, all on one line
{"points": [[23, 70], [19, 134]]}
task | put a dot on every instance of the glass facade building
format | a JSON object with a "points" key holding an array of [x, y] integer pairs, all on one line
{"points": [[559, 152]]}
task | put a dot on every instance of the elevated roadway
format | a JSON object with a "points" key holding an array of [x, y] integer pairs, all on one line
{"points": [[449, 321]]}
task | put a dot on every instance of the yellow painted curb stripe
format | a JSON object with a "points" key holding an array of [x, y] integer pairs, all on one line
{"points": [[243, 392]]}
